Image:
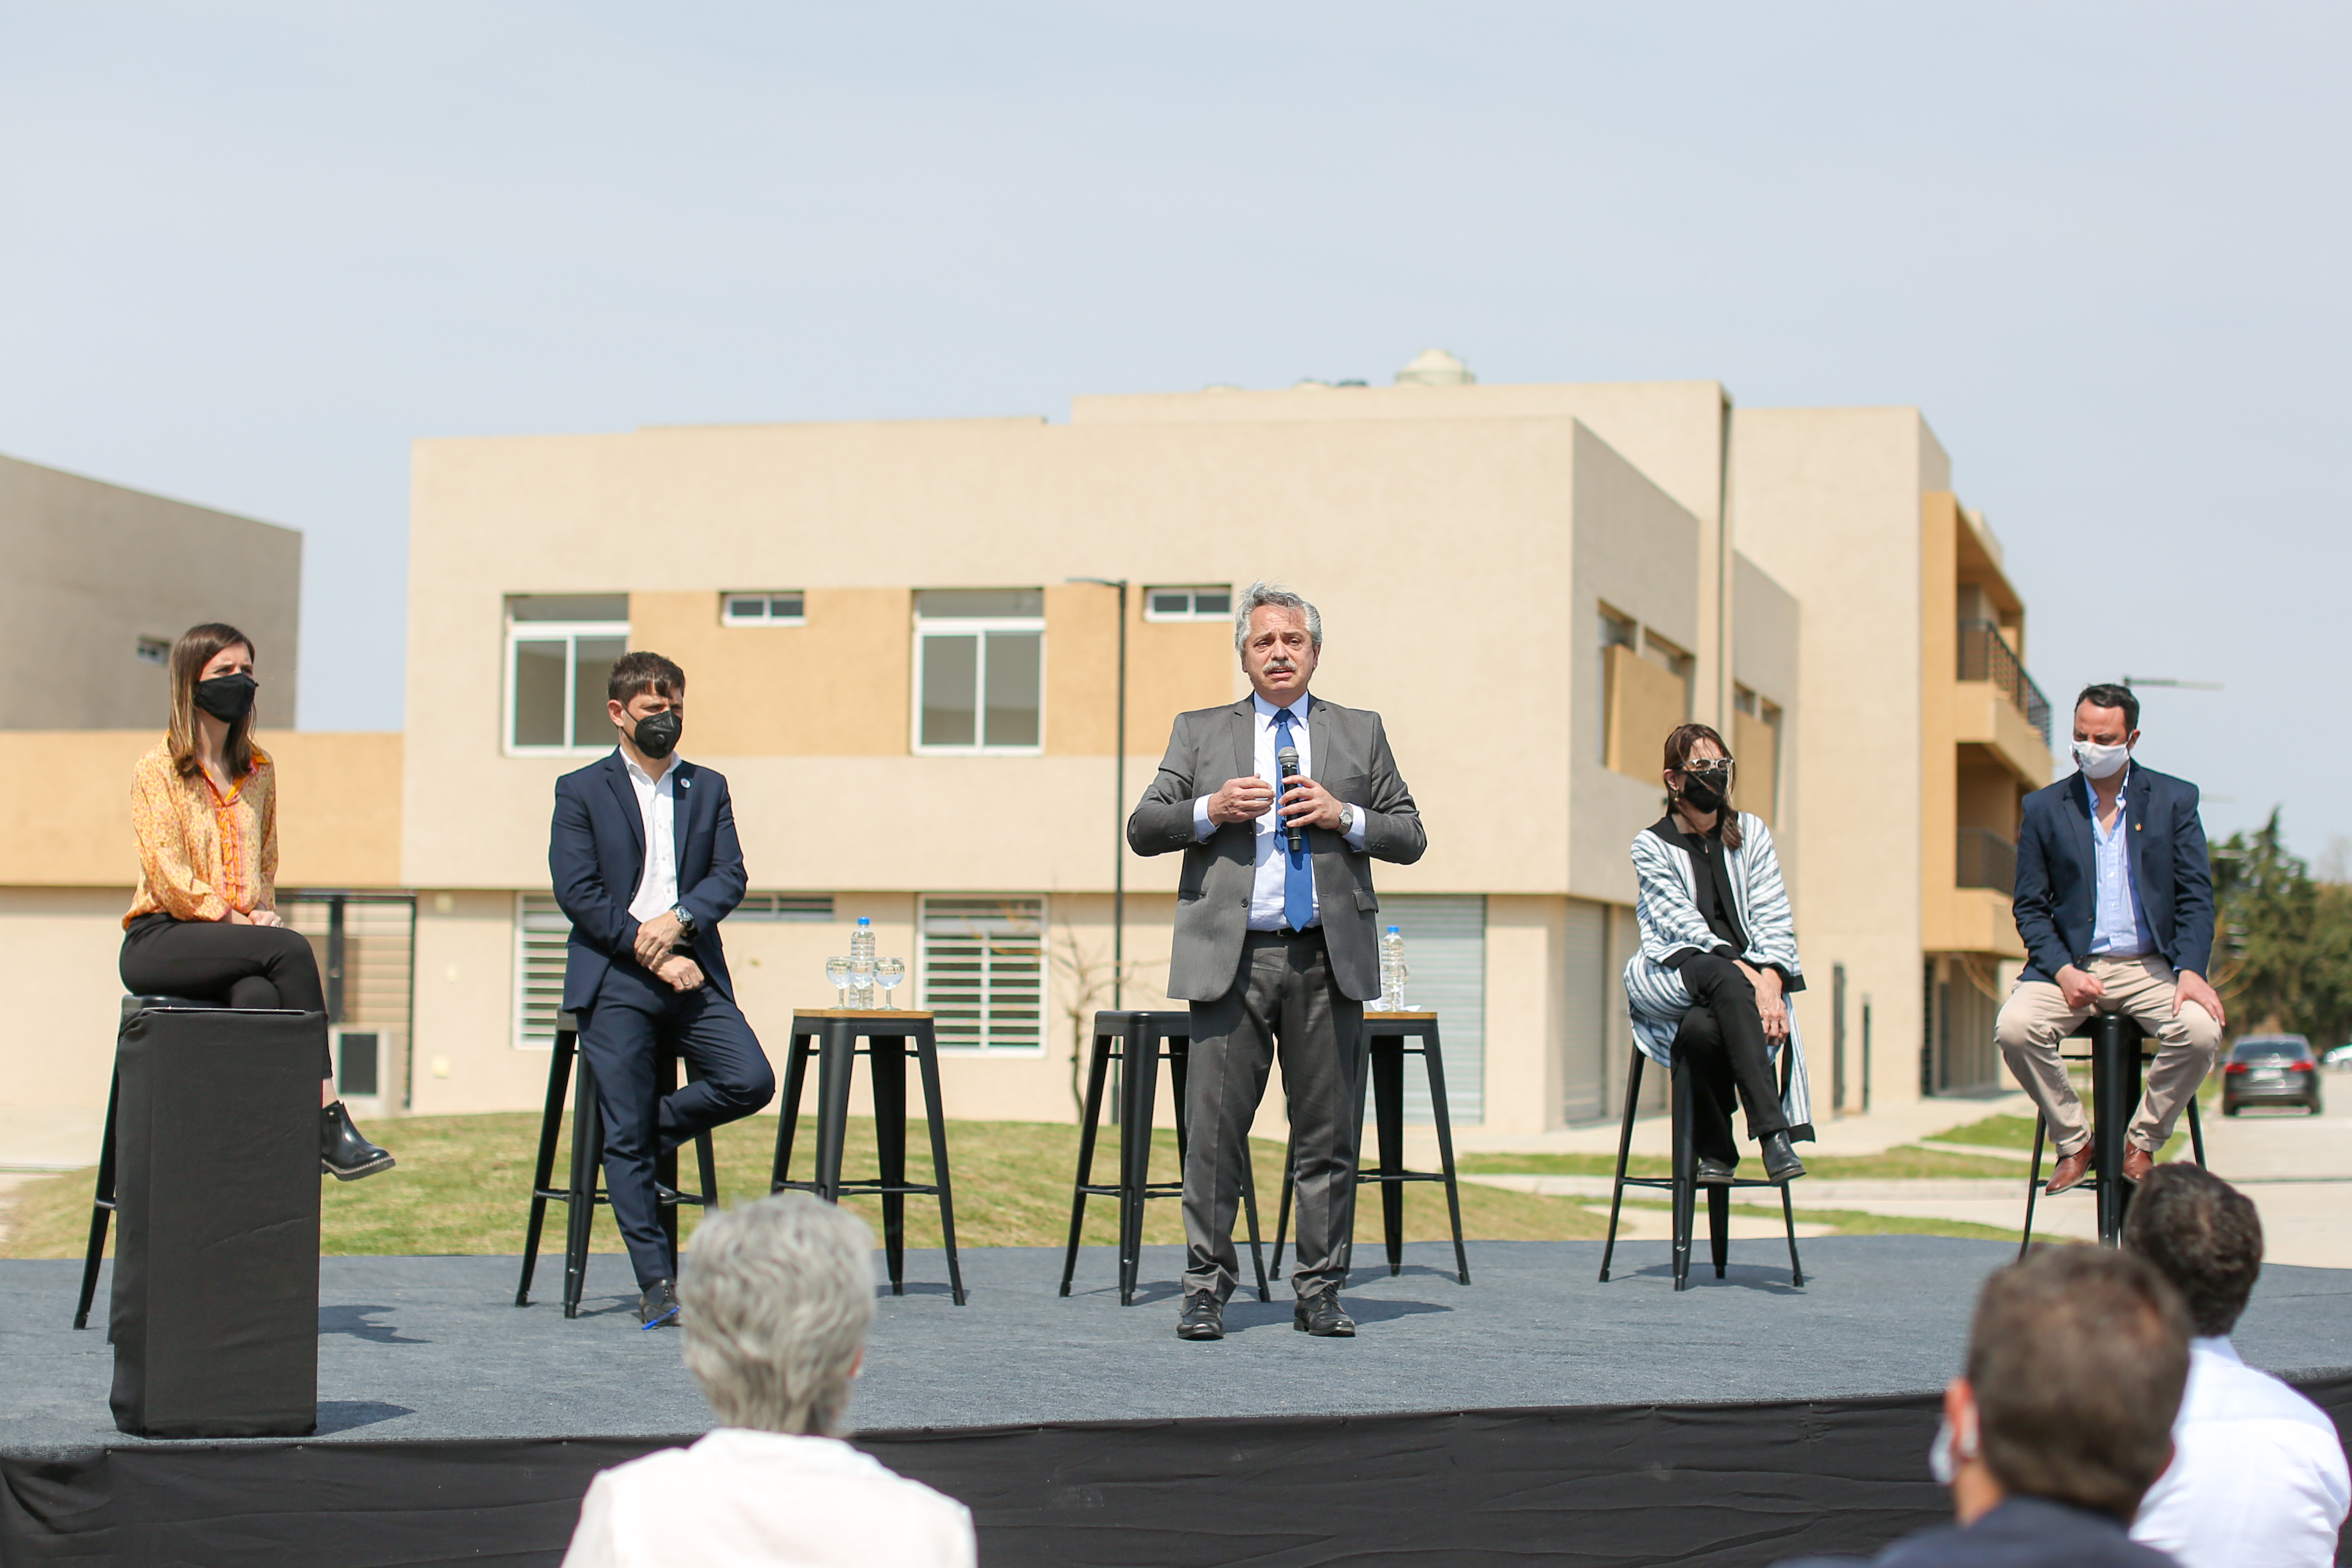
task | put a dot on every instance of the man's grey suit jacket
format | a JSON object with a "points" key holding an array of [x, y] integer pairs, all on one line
{"points": [[1351, 754]]}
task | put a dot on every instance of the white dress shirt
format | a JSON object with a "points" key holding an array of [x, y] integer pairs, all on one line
{"points": [[740, 1499], [2258, 1478], [1266, 890], [2117, 929], [658, 806]]}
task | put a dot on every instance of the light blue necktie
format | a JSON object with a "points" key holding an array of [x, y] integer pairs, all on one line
{"points": [[1297, 874]]}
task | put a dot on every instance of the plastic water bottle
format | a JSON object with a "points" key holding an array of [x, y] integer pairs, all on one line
{"points": [[861, 964], [1393, 973]]}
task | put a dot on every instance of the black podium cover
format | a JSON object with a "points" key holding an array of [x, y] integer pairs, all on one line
{"points": [[215, 1321]]}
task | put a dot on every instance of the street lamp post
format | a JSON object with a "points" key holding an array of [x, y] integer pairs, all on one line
{"points": [[1118, 809]]}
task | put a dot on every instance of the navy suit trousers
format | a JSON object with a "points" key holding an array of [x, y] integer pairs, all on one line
{"points": [[633, 1017]]}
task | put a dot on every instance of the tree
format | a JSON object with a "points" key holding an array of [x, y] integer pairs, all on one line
{"points": [[2283, 955]]}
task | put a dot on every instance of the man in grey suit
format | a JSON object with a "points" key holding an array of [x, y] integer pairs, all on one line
{"points": [[1276, 940]]}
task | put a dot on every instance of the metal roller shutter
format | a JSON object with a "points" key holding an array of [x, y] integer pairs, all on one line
{"points": [[1445, 961]]}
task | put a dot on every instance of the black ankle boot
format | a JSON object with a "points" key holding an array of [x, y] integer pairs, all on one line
{"points": [[1780, 1161], [343, 1153]]}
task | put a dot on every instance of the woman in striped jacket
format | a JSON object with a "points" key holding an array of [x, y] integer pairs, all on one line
{"points": [[1718, 961]]}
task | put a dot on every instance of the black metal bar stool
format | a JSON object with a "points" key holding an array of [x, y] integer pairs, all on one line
{"points": [[833, 1033], [2116, 1056], [1141, 1040], [102, 1203], [1684, 1183], [1385, 1037], [568, 1068]]}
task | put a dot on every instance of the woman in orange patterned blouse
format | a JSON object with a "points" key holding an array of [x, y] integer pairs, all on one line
{"points": [[203, 925]]}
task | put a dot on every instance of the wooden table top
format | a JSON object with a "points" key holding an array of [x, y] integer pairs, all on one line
{"points": [[856, 1013]]}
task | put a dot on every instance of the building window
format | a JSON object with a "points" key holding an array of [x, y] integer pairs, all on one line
{"points": [[984, 973], [749, 609], [784, 907], [1194, 604], [541, 930], [1645, 692], [1756, 742], [560, 653], [979, 670], [152, 650]]}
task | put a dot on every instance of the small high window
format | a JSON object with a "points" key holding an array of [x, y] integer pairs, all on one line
{"points": [[979, 670], [1189, 603], [763, 609], [560, 653]]}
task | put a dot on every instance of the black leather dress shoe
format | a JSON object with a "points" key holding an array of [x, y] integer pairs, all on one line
{"points": [[1715, 1173], [1780, 1161], [657, 1308], [1320, 1315], [1203, 1318], [343, 1153]]}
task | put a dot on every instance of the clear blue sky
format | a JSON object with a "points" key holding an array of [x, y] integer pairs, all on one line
{"points": [[249, 251]]}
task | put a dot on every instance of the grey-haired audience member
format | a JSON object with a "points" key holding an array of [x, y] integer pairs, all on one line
{"points": [[2258, 1476], [777, 1297], [2062, 1419]]}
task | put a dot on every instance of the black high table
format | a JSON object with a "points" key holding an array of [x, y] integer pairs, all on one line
{"points": [[833, 1035]]}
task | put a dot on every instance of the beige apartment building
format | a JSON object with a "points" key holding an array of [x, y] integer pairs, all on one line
{"points": [[898, 654]]}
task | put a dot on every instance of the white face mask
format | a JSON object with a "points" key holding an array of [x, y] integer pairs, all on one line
{"points": [[1949, 1448], [2100, 761]]}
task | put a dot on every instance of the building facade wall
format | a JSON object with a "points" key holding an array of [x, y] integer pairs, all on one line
{"points": [[104, 578]]}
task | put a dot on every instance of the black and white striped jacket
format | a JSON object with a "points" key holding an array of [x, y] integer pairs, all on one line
{"points": [[1666, 909]]}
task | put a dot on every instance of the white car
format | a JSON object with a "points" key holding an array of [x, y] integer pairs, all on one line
{"points": [[2341, 1057]]}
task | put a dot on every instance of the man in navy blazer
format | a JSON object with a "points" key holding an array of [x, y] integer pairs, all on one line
{"points": [[2114, 902], [646, 862]]}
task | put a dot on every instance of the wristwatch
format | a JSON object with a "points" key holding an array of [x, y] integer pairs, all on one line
{"points": [[1347, 820], [685, 919]]}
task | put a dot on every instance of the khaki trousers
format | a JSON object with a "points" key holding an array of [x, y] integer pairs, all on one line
{"points": [[2036, 1017]]}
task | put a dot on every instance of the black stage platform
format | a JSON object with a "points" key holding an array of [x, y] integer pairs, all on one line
{"points": [[1536, 1415]]}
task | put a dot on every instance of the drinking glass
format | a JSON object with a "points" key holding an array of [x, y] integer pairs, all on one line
{"points": [[892, 974], [837, 971]]}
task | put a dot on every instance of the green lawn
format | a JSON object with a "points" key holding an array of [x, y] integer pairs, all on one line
{"points": [[463, 1182]]}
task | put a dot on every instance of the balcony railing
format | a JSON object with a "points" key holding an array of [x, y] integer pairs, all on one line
{"points": [[1985, 655], [1986, 861]]}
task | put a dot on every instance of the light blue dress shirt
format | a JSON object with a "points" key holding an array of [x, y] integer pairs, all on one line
{"points": [[2118, 930], [1266, 888]]}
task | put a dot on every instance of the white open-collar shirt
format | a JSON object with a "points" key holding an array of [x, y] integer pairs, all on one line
{"points": [[740, 1499], [1266, 887], [2258, 1478], [658, 806]]}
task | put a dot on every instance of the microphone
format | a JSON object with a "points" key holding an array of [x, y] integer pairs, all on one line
{"points": [[1287, 762]]}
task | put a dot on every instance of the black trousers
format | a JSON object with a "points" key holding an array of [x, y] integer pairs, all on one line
{"points": [[1284, 992], [1722, 1043], [620, 1033], [212, 961]]}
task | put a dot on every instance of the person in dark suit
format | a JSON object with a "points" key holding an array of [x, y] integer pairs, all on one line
{"points": [[1275, 942], [2114, 902], [646, 864], [2062, 1421]]}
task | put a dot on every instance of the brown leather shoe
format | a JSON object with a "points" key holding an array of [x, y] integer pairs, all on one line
{"points": [[2137, 1163], [2070, 1171]]}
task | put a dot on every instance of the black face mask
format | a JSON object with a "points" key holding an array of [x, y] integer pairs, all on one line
{"points": [[226, 697], [1705, 792], [658, 734]]}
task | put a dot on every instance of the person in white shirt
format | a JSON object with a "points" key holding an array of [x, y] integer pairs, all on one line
{"points": [[2258, 1476], [778, 1295]]}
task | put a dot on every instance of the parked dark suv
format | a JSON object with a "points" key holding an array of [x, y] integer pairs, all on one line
{"points": [[2270, 1069]]}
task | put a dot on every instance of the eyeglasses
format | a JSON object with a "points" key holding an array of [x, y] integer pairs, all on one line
{"points": [[1708, 767]]}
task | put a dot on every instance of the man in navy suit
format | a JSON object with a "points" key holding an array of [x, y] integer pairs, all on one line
{"points": [[646, 864], [2114, 900]]}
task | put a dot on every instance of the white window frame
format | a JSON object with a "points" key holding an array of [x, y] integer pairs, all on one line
{"points": [[980, 626], [727, 618], [1195, 616], [549, 631], [1044, 976]]}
